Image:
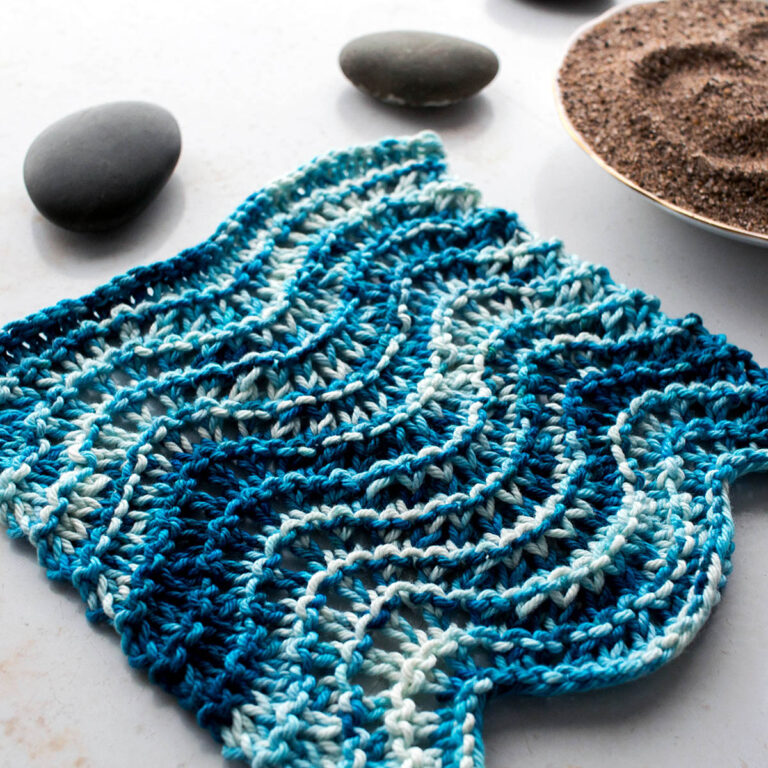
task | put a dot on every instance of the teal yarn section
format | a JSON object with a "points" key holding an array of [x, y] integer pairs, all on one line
{"points": [[372, 454]]}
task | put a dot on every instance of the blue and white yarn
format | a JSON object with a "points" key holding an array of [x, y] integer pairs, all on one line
{"points": [[372, 454]]}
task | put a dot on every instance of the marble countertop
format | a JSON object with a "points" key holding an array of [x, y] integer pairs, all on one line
{"points": [[256, 89]]}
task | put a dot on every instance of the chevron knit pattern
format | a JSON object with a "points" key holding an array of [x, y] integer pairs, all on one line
{"points": [[371, 454]]}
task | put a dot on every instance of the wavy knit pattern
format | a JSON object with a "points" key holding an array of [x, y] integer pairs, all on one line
{"points": [[370, 454]]}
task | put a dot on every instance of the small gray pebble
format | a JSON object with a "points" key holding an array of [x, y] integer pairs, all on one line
{"points": [[418, 69], [96, 169]]}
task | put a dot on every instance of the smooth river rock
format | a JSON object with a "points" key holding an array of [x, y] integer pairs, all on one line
{"points": [[418, 69], [96, 169]]}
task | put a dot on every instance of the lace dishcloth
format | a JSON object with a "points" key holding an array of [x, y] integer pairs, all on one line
{"points": [[370, 454]]}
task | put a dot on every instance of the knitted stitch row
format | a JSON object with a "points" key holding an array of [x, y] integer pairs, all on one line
{"points": [[370, 454]]}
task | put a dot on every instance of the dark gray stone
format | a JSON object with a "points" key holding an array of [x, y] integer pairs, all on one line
{"points": [[98, 168], [418, 69]]}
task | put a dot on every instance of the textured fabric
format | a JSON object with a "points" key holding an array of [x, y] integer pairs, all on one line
{"points": [[370, 454]]}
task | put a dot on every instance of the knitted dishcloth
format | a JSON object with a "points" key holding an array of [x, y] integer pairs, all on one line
{"points": [[370, 454]]}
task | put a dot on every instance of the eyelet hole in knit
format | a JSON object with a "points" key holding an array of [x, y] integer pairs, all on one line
{"points": [[372, 685], [292, 562]]}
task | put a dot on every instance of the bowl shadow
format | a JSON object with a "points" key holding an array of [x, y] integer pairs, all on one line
{"points": [[528, 16]]}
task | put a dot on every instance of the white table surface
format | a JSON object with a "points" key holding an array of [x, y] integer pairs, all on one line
{"points": [[256, 89]]}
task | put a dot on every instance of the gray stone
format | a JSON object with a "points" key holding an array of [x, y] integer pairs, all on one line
{"points": [[418, 69], [98, 168]]}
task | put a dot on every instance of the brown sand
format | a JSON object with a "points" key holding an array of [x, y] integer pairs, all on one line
{"points": [[674, 96]]}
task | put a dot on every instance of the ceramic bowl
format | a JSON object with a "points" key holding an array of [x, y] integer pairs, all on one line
{"points": [[711, 225]]}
